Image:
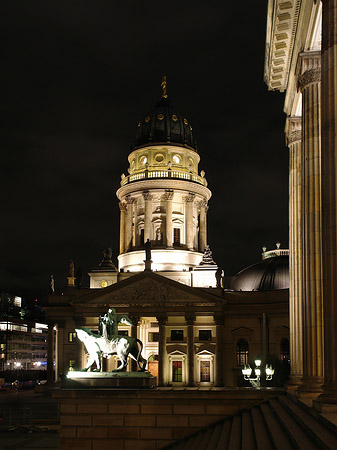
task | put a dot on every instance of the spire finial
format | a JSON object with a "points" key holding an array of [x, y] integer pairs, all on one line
{"points": [[164, 87]]}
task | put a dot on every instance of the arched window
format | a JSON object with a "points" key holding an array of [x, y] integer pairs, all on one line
{"points": [[241, 352], [284, 350]]}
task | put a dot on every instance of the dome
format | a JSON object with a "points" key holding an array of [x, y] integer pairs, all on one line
{"points": [[268, 275], [164, 125]]}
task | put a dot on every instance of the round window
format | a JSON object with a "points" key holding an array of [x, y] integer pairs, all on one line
{"points": [[159, 157], [176, 159], [143, 160]]}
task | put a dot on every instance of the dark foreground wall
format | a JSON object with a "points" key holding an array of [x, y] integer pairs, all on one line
{"points": [[144, 419]]}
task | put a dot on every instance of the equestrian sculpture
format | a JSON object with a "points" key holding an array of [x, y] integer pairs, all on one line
{"points": [[109, 342]]}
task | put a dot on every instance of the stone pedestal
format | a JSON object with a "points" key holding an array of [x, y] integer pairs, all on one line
{"points": [[124, 380], [71, 281]]}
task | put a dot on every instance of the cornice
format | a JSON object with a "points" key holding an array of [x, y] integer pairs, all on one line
{"points": [[282, 23], [148, 185]]}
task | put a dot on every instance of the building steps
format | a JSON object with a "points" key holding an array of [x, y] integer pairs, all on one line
{"points": [[281, 423]]}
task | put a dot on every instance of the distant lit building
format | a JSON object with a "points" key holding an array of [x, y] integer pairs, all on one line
{"points": [[23, 343]]}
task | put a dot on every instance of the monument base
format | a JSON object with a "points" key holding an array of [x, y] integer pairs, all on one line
{"points": [[121, 380]]}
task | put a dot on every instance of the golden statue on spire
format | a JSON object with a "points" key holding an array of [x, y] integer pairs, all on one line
{"points": [[164, 87]]}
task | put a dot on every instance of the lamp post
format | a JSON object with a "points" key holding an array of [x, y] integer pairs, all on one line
{"points": [[255, 380]]}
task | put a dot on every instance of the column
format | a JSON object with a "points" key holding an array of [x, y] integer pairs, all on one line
{"points": [[147, 215], [329, 197], [189, 199], [310, 86], [169, 231], [122, 207], [162, 348], [135, 237], [59, 367], [128, 224], [294, 142], [219, 321], [134, 319], [190, 319], [50, 353], [203, 226], [264, 338]]}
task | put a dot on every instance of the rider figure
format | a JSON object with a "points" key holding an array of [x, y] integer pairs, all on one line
{"points": [[108, 324]]}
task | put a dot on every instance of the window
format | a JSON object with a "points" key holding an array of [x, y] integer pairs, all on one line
{"points": [[205, 335], [176, 159], [71, 336], [241, 352], [177, 335], [142, 236], [153, 336], [205, 371], [123, 332], [284, 350], [176, 235], [143, 160], [177, 371]]}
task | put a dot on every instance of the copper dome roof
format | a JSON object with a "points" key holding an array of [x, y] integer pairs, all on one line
{"points": [[164, 125], [268, 275]]}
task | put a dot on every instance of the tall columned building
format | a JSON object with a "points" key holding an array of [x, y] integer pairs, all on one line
{"points": [[301, 61]]}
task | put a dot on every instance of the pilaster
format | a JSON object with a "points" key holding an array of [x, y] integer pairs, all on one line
{"points": [[122, 207], [190, 319], [134, 334], [189, 199], [203, 225], [128, 223], [169, 232], [162, 319], [147, 215], [50, 353], [219, 322]]}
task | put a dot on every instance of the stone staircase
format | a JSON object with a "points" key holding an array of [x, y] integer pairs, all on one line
{"points": [[281, 423]]}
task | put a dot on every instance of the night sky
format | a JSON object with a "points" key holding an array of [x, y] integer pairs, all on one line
{"points": [[76, 78]]}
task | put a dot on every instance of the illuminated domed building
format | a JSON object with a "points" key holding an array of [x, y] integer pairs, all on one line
{"points": [[164, 199], [195, 332]]}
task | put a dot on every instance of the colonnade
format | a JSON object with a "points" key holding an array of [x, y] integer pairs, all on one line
{"points": [[305, 237], [128, 221], [313, 283]]}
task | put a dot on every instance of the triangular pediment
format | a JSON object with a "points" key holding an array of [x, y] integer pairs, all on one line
{"points": [[147, 288]]}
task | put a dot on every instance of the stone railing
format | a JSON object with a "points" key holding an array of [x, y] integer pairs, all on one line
{"points": [[276, 252], [151, 174]]}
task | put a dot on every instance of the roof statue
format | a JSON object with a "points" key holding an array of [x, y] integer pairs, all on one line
{"points": [[164, 87], [207, 257], [71, 268], [52, 284]]}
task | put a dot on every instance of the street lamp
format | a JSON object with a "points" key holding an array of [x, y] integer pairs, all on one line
{"points": [[255, 380]]}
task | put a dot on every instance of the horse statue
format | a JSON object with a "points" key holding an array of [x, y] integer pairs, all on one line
{"points": [[109, 342], [123, 346]]}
